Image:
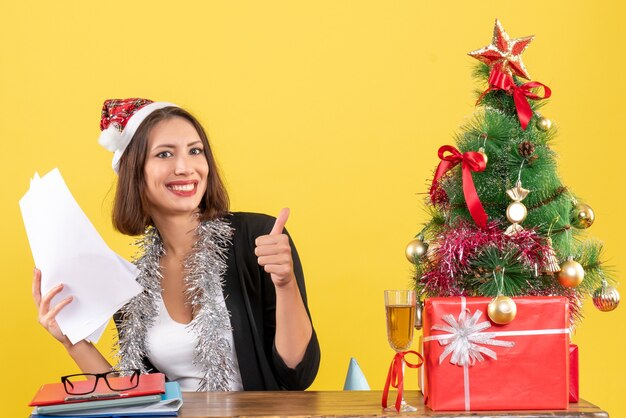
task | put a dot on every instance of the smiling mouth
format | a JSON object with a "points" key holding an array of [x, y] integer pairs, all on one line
{"points": [[182, 187]]}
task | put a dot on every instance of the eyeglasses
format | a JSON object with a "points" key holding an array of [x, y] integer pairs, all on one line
{"points": [[117, 380]]}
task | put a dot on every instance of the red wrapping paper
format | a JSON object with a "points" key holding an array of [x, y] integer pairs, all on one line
{"points": [[573, 373], [533, 374]]}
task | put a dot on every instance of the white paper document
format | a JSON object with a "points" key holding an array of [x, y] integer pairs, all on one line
{"points": [[67, 249]]}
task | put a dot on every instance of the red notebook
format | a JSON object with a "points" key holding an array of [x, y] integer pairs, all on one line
{"points": [[54, 393]]}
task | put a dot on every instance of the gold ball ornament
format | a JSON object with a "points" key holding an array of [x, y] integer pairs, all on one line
{"points": [[415, 250], [516, 212], [582, 216], [544, 124], [482, 152], [606, 298], [502, 310], [571, 274]]}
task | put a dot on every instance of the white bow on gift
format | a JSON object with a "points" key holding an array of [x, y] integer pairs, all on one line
{"points": [[464, 339]]}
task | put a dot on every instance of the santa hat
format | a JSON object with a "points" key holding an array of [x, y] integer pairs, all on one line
{"points": [[120, 120]]}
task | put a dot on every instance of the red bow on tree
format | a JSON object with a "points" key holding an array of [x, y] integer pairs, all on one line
{"points": [[470, 161], [499, 80]]}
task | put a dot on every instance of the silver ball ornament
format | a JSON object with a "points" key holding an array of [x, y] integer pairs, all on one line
{"points": [[418, 315]]}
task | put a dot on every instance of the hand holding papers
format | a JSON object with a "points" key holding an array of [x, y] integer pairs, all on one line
{"points": [[68, 249]]}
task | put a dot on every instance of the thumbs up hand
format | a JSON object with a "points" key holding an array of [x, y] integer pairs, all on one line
{"points": [[274, 252]]}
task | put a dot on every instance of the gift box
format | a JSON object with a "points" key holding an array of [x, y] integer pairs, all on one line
{"points": [[420, 371], [573, 373], [472, 363]]}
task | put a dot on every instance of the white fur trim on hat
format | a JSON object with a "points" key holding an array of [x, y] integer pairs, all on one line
{"points": [[116, 141], [111, 138]]}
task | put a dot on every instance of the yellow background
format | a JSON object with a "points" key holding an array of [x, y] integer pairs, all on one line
{"points": [[334, 108]]}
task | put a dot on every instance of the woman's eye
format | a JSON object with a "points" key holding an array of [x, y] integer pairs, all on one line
{"points": [[164, 154], [195, 151]]}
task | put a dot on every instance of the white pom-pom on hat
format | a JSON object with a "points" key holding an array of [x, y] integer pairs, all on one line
{"points": [[111, 138]]}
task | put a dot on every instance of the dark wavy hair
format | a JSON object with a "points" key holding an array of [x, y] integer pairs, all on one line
{"points": [[130, 208]]}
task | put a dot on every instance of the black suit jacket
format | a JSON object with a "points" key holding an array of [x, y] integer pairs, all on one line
{"points": [[251, 300]]}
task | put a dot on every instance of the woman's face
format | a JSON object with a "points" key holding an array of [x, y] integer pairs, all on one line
{"points": [[176, 169]]}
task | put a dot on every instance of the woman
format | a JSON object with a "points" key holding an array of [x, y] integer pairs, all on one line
{"points": [[224, 301]]}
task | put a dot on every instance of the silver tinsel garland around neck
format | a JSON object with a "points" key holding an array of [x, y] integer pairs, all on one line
{"points": [[204, 271]]}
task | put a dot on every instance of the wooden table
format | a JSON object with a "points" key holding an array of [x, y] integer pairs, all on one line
{"points": [[340, 404]]}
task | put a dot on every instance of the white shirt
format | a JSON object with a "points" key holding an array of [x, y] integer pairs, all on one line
{"points": [[171, 346]]}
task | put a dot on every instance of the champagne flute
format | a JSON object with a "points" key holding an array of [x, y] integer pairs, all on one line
{"points": [[400, 306]]}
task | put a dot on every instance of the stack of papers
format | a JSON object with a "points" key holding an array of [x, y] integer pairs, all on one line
{"points": [[67, 249], [153, 397], [165, 405]]}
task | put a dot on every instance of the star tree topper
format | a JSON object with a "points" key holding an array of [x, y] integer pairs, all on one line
{"points": [[504, 53]]}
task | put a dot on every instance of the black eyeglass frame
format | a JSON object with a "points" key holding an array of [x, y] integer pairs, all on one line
{"points": [[133, 373]]}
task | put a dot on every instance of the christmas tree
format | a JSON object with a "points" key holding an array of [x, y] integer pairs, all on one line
{"points": [[502, 222]]}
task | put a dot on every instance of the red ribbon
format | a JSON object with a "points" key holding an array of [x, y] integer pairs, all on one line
{"points": [[470, 161], [395, 377], [498, 80]]}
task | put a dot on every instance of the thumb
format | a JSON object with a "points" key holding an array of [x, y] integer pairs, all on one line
{"points": [[281, 220]]}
